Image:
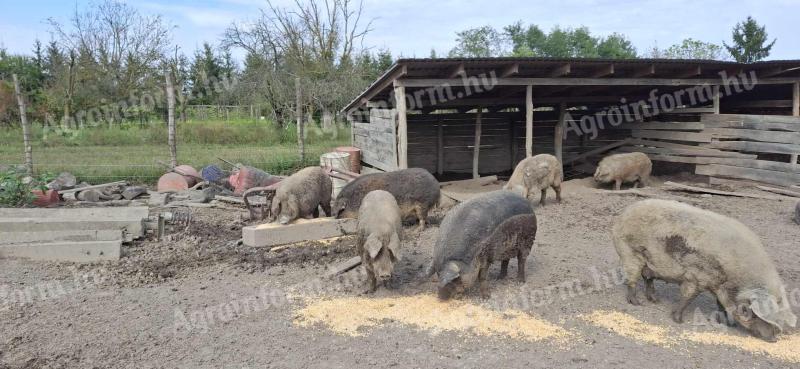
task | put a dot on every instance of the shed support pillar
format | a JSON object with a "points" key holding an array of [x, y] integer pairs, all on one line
{"points": [[559, 134], [402, 125], [476, 152], [529, 121]]}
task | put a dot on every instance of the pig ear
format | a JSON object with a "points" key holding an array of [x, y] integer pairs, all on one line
{"points": [[764, 306], [394, 246], [450, 272], [373, 246]]}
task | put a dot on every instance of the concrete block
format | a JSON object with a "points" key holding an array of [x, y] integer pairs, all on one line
{"points": [[71, 235], [81, 252], [128, 219], [272, 234]]}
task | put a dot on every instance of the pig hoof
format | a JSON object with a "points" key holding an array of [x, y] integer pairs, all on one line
{"points": [[652, 298], [633, 300], [486, 295], [677, 317]]}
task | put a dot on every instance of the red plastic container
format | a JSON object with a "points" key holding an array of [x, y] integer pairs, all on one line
{"points": [[46, 198]]}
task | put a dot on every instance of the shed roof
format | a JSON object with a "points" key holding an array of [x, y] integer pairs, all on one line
{"points": [[558, 75]]}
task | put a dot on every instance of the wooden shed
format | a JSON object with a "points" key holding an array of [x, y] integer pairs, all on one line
{"points": [[480, 116]]}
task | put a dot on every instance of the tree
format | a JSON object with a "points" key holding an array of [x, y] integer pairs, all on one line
{"points": [[478, 42], [690, 49], [749, 42], [616, 46], [566, 43], [316, 40]]}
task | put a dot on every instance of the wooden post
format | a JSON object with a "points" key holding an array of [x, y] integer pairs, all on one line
{"points": [[476, 151], [402, 125], [716, 99], [559, 134], [298, 112], [173, 149], [529, 121], [439, 147], [795, 112], [512, 144], [26, 129]]}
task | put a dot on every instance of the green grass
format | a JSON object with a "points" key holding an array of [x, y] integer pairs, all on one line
{"points": [[132, 152]]}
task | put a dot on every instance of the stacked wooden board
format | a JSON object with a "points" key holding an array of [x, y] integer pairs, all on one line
{"points": [[726, 146]]}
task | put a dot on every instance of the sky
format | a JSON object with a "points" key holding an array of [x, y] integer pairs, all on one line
{"points": [[412, 28]]}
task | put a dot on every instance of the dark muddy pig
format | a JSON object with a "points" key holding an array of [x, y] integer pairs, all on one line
{"points": [[461, 257], [416, 191]]}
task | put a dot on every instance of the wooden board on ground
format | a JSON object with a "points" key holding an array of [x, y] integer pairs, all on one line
{"points": [[779, 191], [681, 187], [760, 175]]}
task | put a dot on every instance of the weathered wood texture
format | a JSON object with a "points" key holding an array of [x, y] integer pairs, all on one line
{"points": [[378, 139]]}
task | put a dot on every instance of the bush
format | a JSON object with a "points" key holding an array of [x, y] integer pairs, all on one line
{"points": [[16, 187]]}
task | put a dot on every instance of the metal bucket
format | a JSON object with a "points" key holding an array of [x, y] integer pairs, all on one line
{"points": [[336, 160]]}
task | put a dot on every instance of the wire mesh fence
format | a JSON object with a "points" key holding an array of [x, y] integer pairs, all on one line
{"points": [[140, 154]]}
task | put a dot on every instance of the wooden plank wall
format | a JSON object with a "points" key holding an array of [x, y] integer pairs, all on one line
{"points": [[498, 145], [378, 139], [752, 147]]}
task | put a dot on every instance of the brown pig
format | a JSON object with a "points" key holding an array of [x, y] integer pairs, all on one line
{"points": [[300, 195], [379, 234], [618, 168]]}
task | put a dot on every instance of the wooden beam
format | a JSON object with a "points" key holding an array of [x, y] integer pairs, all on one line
{"points": [[692, 72], [439, 147], [697, 152], [759, 175], [596, 151], [458, 71], [510, 70], [796, 99], [645, 71], [399, 72], [562, 70], [715, 97], [759, 147], [759, 104], [680, 187], [736, 162], [402, 126], [672, 136], [476, 151], [559, 133], [755, 135], [604, 71], [529, 121], [566, 81]]}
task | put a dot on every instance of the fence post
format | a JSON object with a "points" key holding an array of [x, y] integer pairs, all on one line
{"points": [[26, 129], [173, 150], [301, 141]]}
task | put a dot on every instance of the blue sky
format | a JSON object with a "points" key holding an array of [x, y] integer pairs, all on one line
{"points": [[413, 27]]}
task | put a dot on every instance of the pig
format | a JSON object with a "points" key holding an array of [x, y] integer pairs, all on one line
{"points": [[797, 213], [702, 251], [415, 189], [300, 196], [457, 259], [618, 168], [537, 173], [511, 239], [379, 234]]}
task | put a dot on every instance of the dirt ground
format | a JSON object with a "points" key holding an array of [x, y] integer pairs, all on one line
{"points": [[199, 299]]}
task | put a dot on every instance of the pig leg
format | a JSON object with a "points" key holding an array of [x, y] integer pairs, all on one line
{"points": [[326, 207], [373, 282], [544, 196], [633, 271], [483, 285], [503, 269], [558, 192], [420, 217], [688, 292], [618, 185], [649, 284], [522, 257]]}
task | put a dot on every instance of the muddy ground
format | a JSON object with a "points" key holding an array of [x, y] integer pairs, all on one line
{"points": [[199, 299]]}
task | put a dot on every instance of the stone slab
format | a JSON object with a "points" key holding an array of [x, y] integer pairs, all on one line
{"points": [[273, 234]]}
